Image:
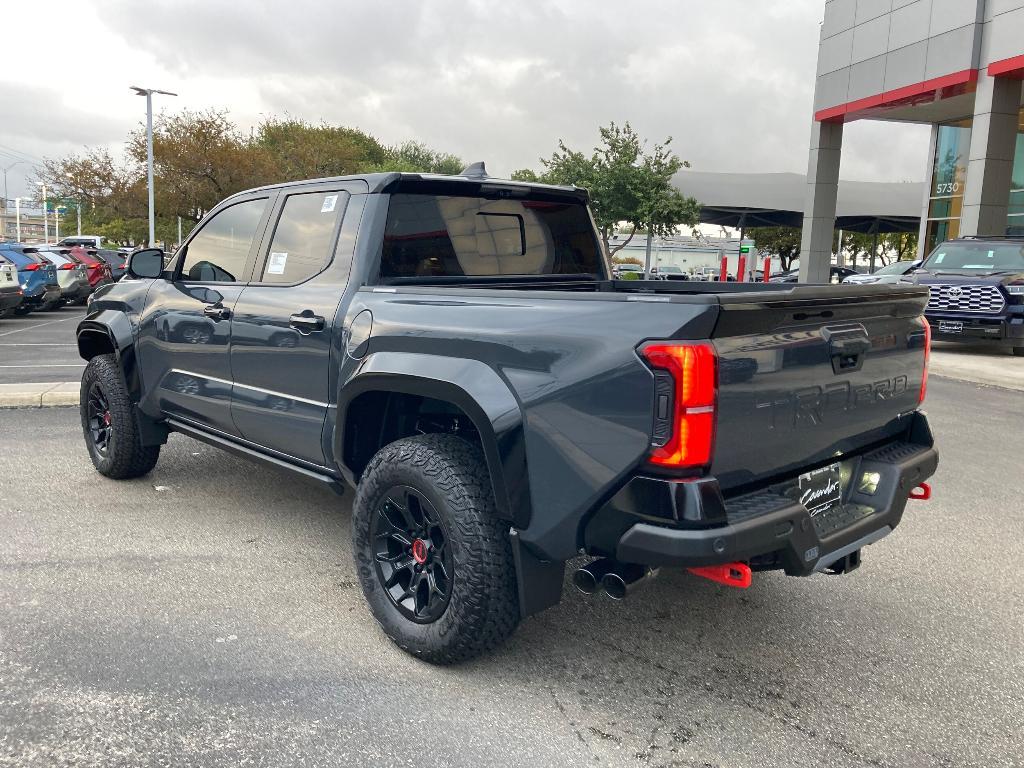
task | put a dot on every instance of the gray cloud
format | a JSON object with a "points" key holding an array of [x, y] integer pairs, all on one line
{"points": [[731, 81]]}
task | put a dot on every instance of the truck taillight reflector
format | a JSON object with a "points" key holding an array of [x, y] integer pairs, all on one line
{"points": [[927, 354], [694, 392]]}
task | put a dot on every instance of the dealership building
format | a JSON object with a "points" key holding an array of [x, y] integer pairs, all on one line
{"points": [[957, 65]]}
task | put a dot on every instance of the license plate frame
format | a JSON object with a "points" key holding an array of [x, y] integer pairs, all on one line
{"points": [[951, 326], [821, 490]]}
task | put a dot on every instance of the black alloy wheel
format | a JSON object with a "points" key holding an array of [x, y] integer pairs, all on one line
{"points": [[99, 419], [413, 561]]}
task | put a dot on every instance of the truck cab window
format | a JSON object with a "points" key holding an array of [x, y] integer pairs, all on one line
{"points": [[218, 252]]}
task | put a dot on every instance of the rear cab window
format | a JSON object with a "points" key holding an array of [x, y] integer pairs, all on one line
{"points": [[431, 236]]}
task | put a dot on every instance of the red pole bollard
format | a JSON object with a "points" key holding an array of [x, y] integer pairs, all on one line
{"points": [[723, 274], [741, 269], [767, 268]]}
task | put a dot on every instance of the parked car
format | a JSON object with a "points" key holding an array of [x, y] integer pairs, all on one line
{"points": [[618, 270], [71, 275], [117, 261], [89, 241], [501, 406], [10, 288], [836, 275], [37, 275], [97, 269], [891, 273], [976, 290], [669, 272]]}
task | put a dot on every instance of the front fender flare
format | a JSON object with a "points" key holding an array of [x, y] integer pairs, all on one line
{"points": [[117, 329], [473, 387]]}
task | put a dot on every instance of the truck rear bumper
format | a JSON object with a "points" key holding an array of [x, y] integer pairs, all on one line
{"points": [[770, 529], [1006, 329]]}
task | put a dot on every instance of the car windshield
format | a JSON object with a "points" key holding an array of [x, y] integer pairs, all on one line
{"points": [[977, 256], [670, 269]]}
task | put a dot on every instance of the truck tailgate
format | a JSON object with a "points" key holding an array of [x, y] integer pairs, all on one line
{"points": [[803, 380]]}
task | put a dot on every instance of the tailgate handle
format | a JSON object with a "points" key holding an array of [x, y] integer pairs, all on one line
{"points": [[847, 352]]}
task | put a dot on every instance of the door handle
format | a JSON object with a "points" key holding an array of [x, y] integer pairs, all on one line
{"points": [[306, 322], [217, 311]]}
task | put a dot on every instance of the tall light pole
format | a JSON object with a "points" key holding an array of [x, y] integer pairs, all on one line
{"points": [[148, 93], [6, 214], [17, 216], [46, 225]]}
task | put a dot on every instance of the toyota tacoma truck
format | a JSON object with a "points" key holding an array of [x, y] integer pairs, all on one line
{"points": [[454, 348], [976, 289]]}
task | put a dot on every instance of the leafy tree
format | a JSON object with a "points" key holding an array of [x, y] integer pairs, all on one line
{"points": [[783, 242], [626, 182], [200, 158]]}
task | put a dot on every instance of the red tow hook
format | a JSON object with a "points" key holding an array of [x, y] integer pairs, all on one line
{"points": [[923, 492], [731, 574]]}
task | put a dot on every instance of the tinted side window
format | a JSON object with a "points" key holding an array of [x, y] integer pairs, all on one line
{"points": [[304, 236], [219, 251], [434, 235]]}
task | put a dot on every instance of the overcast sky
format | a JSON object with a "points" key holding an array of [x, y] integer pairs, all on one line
{"points": [[730, 80]]}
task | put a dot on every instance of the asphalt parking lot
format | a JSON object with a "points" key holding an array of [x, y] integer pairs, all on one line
{"points": [[209, 615], [40, 347]]}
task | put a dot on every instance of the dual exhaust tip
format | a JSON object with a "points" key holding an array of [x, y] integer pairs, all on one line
{"points": [[616, 579]]}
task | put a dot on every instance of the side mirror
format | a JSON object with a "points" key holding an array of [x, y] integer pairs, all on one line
{"points": [[147, 263]]}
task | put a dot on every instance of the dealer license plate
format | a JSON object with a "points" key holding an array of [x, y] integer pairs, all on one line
{"points": [[821, 489], [951, 326]]}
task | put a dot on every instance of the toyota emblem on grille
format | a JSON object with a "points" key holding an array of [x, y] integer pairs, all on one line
{"points": [[954, 292]]}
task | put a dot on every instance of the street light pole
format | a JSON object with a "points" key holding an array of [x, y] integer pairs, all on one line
{"points": [[46, 224], [17, 217], [148, 93]]}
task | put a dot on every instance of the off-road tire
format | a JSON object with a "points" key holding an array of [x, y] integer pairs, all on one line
{"points": [[125, 456], [483, 609]]}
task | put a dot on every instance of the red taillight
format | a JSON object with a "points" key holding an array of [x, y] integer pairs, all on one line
{"points": [[67, 265], [693, 371], [31, 267], [927, 354]]}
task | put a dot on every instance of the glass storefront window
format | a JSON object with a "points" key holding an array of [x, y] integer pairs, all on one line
{"points": [[949, 177]]}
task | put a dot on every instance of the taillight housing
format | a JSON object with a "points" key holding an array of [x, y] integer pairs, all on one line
{"points": [[686, 392], [927, 354], [31, 267], [67, 265]]}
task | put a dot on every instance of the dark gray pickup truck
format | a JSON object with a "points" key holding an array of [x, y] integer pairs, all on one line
{"points": [[454, 348]]}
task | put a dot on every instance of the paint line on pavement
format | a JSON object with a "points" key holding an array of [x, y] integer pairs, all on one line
{"points": [[47, 365], [33, 344], [40, 325]]}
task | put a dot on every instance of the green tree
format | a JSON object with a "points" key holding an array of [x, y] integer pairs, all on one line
{"points": [[783, 242], [628, 185]]}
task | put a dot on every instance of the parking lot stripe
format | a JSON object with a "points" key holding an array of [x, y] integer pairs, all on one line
{"points": [[47, 365], [33, 344], [39, 325]]}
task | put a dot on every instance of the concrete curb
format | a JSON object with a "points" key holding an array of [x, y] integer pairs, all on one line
{"points": [[39, 395]]}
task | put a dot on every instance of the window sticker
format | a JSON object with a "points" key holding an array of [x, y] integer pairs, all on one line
{"points": [[329, 202], [277, 263], [939, 258]]}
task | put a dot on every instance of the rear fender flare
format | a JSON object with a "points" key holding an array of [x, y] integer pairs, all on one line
{"points": [[474, 388]]}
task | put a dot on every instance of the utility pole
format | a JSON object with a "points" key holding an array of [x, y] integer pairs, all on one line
{"points": [[78, 210], [647, 258], [179, 233], [148, 93], [17, 217]]}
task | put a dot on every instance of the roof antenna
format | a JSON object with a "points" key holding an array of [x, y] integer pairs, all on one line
{"points": [[475, 170]]}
